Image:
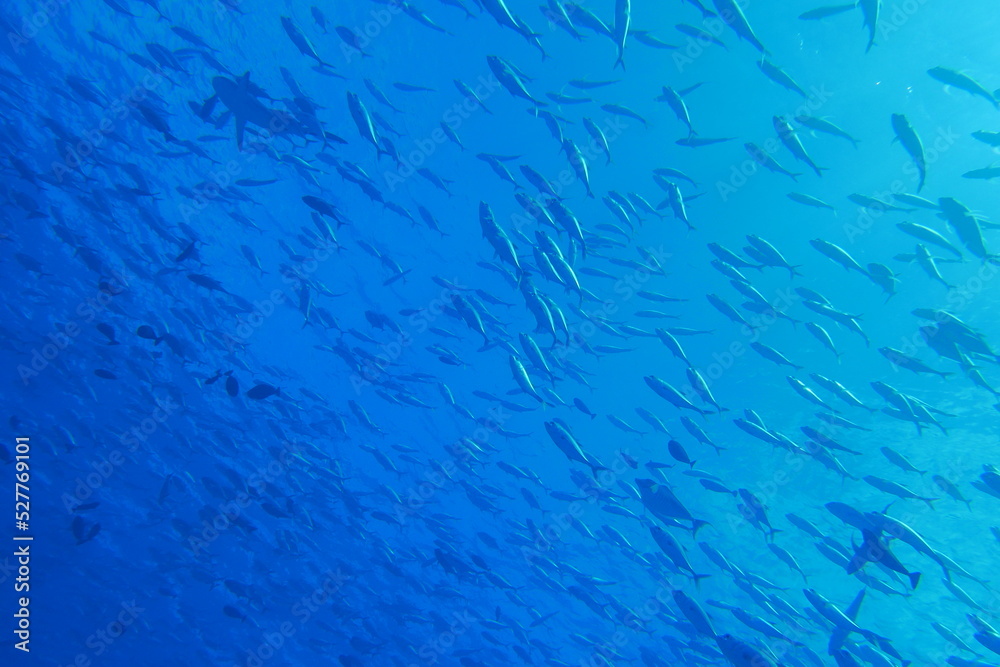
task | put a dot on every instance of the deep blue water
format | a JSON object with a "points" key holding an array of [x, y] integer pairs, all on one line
{"points": [[271, 409]]}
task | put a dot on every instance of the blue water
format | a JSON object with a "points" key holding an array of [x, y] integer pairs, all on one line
{"points": [[347, 511]]}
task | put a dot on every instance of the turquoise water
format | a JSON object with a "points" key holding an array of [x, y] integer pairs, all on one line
{"points": [[273, 389]]}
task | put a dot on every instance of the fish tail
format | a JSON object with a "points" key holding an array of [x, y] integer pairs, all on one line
{"points": [[595, 468]]}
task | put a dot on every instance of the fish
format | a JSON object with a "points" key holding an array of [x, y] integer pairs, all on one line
{"points": [[791, 141], [510, 80], [568, 445], [644, 37], [671, 395], [902, 360], [895, 489], [246, 108], [838, 255], [301, 42], [623, 19], [825, 126], [809, 200], [825, 12], [780, 77], [261, 391], [955, 79], [625, 112], [765, 160], [965, 225], [677, 105], [731, 13], [330, 383], [929, 235], [870, 10], [911, 143]]}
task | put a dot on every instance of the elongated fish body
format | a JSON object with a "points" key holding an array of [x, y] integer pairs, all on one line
{"points": [[623, 18], [597, 134], [780, 77], [838, 255], [675, 200], [809, 200], [673, 550], [677, 105], [565, 441], [950, 77], [870, 10], [792, 143], [771, 254], [966, 226], [510, 80], [896, 489], [929, 235], [523, 381], [805, 392], [363, 120], [928, 263], [732, 14], [578, 163], [301, 42], [911, 142], [501, 14], [694, 613], [763, 159], [823, 337], [826, 12], [825, 126], [671, 395]]}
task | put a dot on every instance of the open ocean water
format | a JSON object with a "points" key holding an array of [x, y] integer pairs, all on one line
{"points": [[471, 333]]}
